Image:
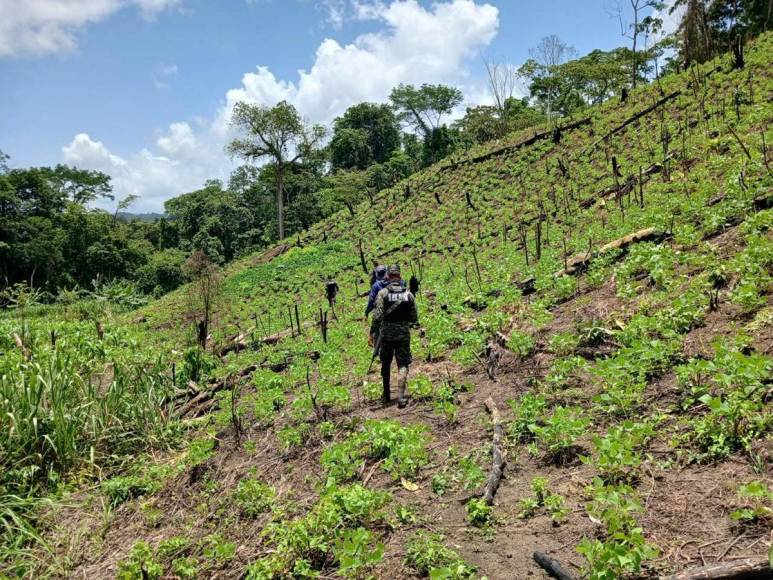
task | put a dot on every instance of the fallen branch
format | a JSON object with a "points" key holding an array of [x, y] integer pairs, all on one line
{"points": [[510, 148], [636, 117], [748, 569], [196, 406], [627, 185], [552, 566], [498, 458], [579, 263]]}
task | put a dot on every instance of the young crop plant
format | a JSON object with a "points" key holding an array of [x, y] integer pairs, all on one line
{"points": [[307, 545], [140, 564], [420, 388], [729, 391], [292, 437], [757, 500], [618, 456], [357, 552], [543, 497], [623, 549], [558, 435], [520, 343], [479, 512], [430, 558], [654, 263], [253, 497], [526, 411], [121, 489], [218, 550], [565, 372], [401, 450]]}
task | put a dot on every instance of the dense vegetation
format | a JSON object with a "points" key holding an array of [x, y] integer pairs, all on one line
{"points": [[633, 378]]}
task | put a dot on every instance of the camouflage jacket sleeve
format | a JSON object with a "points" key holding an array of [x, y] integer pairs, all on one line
{"points": [[378, 311]]}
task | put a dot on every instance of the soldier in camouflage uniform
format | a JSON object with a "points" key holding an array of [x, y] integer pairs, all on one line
{"points": [[395, 314]]}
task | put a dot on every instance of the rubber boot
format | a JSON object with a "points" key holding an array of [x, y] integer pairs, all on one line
{"points": [[402, 380], [385, 397]]}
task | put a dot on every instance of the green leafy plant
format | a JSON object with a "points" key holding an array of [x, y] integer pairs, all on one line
{"points": [[526, 410], [617, 453], [479, 512], [357, 552], [543, 497], [624, 548], [758, 503], [559, 433], [253, 496], [429, 557], [140, 564]]}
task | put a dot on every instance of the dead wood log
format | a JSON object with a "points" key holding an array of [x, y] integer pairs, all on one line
{"points": [[204, 399], [510, 148], [498, 457], [628, 185], [748, 569], [552, 566], [527, 286], [636, 117], [578, 263]]}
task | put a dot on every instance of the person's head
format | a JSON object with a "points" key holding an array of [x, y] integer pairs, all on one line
{"points": [[381, 272], [393, 272]]}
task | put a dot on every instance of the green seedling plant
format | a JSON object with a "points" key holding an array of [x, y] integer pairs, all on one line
{"points": [[543, 497], [758, 503], [431, 558], [140, 564], [558, 436], [357, 552], [253, 497], [479, 512], [618, 456], [624, 548], [526, 410]]}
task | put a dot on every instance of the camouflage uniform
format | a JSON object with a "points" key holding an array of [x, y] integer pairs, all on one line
{"points": [[395, 313]]}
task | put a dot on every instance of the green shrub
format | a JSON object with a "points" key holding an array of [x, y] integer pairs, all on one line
{"points": [[526, 411]]}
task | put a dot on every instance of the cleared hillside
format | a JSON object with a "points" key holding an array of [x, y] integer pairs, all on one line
{"points": [[632, 372]]}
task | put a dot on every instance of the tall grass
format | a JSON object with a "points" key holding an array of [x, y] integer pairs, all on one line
{"points": [[80, 403]]}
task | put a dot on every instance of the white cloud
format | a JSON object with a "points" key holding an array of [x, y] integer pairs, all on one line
{"points": [[416, 45], [154, 178], [37, 27], [163, 73]]}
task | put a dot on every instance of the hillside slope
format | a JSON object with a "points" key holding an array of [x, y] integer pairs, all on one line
{"points": [[633, 373]]}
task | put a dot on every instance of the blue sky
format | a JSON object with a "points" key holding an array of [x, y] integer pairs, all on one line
{"points": [[141, 89]]}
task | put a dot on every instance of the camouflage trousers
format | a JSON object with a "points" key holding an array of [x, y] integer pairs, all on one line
{"points": [[400, 350], [394, 349]]}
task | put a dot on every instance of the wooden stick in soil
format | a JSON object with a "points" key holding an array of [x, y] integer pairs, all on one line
{"points": [[553, 567], [749, 569], [22, 347], [498, 461]]}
